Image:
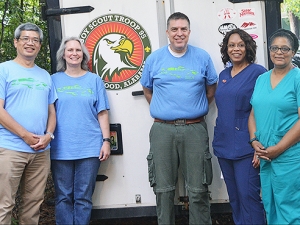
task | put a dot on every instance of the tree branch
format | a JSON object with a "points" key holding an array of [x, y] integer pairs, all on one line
{"points": [[2, 21]]}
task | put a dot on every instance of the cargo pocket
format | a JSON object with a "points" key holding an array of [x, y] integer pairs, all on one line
{"points": [[151, 170], [207, 169]]}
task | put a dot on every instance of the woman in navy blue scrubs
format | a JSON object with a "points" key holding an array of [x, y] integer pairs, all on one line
{"points": [[239, 166]]}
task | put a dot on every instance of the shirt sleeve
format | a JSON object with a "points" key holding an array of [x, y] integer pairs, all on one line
{"points": [[146, 79], [297, 86], [2, 82], [211, 74], [102, 99], [53, 94]]}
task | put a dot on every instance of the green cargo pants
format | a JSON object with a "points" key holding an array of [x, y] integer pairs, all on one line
{"points": [[186, 145]]}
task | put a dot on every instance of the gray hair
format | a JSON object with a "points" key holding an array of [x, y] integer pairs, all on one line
{"points": [[61, 62], [28, 27]]}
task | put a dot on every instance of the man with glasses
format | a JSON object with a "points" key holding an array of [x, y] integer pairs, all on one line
{"points": [[179, 82], [27, 122]]}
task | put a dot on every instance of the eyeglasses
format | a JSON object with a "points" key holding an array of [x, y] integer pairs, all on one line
{"points": [[27, 39], [284, 50], [236, 45]]}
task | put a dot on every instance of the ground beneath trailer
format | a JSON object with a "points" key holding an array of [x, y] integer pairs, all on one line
{"points": [[47, 218], [47, 215]]}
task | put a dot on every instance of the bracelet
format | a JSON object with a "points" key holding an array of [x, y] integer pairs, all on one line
{"points": [[106, 139], [251, 140]]}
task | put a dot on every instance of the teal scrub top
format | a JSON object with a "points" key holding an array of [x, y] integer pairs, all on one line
{"points": [[275, 110]]}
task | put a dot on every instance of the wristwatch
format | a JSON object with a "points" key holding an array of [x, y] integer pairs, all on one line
{"points": [[106, 139], [253, 139], [51, 135]]}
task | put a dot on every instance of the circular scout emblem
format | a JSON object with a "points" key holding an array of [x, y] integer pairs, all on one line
{"points": [[118, 48]]}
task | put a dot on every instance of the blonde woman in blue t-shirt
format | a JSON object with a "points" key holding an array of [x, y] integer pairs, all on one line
{"points": [[82, 136]]}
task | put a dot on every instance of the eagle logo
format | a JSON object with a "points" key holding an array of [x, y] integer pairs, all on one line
{"points": [[118, 46], [112, 55]]}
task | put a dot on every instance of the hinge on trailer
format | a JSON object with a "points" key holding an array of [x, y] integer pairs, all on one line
{"points": [[101, 178], [63, 11]]}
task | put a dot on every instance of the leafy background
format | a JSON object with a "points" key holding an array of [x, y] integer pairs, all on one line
{"points": [[15, 12], [12, 14]]}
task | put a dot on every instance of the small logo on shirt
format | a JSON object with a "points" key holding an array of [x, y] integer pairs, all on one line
{"points": [[180, 72], [75, 90], [29, 83]]}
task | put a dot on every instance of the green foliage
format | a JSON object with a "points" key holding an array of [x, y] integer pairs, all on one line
{"points": [[12, 14], [292, 6], [14, 221]]}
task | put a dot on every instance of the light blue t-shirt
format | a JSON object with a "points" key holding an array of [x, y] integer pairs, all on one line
{"points": [[27, 93], [78, 134], [178, 83]]}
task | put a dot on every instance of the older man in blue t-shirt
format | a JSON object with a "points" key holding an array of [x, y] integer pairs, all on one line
{"points": [[27, 123]]}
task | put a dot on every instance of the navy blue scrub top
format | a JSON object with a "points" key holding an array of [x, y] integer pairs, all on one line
{"points": [[232, 98]]}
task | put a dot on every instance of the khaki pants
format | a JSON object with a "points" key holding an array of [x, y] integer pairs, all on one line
{"points": [[30, 171]]}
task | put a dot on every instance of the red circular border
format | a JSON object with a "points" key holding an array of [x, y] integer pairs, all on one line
{"points": [[137, 56]]}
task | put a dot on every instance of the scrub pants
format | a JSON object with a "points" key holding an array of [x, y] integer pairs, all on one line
{"points": [[243, 187], [187, 145], [30, 171], [280, 181]]}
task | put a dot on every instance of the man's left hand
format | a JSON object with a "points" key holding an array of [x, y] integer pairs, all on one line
{"points": [[43, 142]]}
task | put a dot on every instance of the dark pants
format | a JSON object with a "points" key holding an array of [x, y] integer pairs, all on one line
{"points": [[243, 187], [187, 145]]}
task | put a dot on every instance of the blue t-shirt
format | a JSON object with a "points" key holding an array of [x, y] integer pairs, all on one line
{"points": [[78, 134], [27, 93], [233, 94], [178, 83]]}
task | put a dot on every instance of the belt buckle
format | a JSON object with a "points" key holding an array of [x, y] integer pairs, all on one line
{"points": [[179, 122]]}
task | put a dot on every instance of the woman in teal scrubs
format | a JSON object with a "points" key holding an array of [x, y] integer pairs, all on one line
{"points": [[274, 128]]}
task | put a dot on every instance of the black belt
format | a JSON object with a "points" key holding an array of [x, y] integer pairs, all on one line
{"points": [[181, 121]]}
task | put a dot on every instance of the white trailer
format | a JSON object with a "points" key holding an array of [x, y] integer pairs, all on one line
{"points": [[139, 26]]}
